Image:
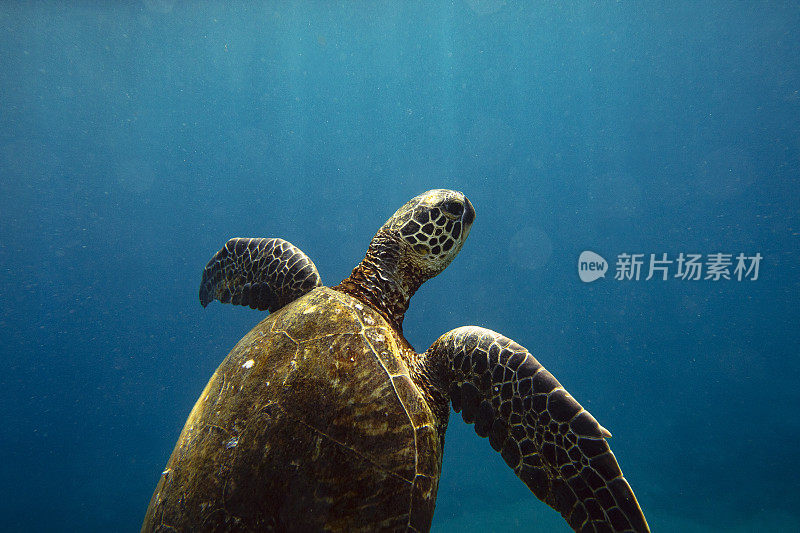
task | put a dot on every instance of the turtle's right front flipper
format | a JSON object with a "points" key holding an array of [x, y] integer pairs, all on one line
{"points": [[265, 274], [553, 444]]}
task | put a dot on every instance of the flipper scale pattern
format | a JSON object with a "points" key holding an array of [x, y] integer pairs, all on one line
{"points": [[552, 443], [264, 274]]}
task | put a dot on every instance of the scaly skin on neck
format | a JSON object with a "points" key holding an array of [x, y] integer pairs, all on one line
{"points": [[414, 245], [383, 280]]}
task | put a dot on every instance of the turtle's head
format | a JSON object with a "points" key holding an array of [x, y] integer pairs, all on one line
{"points": [[429, 231], [414, 245]]}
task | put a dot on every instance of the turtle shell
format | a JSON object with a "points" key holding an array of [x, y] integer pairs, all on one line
{"points": [[312, 422]]}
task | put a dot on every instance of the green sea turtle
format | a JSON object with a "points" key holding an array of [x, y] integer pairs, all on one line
{"points": [[324, 418]]}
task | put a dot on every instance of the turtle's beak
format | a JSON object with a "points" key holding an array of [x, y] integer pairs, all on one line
{"points": [[467, 217]]}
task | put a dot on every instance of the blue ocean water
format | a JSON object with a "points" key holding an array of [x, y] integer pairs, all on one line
{"points": [[137, 137]]}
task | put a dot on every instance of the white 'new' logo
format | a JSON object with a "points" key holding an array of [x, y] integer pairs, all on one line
{"points": [[591, 266]]}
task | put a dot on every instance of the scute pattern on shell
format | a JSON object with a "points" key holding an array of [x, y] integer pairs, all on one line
{"points": [[553, 444], [314, 409]]}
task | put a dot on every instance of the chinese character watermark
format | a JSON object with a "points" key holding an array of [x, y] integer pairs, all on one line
{"points": [[685, 266]]}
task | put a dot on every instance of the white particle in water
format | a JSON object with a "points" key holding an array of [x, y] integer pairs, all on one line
{"points": [[233, 443], [248, 364]]}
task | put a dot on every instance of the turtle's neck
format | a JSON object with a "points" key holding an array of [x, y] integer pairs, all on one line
{"points": [[383, 281]]}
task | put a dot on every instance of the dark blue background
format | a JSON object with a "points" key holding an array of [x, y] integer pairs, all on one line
{"points": [[136, 139]]}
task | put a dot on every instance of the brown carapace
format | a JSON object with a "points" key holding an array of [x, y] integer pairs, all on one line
{"points": [[323, 417]]}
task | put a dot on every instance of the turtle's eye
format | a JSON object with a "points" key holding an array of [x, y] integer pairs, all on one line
{"points": [[453, 207]]}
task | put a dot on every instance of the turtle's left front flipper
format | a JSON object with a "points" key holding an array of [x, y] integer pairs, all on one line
{"points": [[554, 445], [265, 274]]}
